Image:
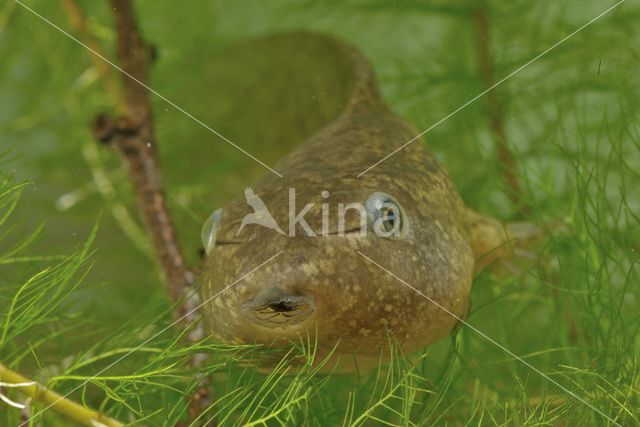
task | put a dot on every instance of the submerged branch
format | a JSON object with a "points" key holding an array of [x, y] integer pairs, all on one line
{"points": [[101, 182], [494, 109], [132, 135], [55, 401]]}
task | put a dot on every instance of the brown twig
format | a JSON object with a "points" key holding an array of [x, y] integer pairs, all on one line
{"points": [[103, 185], [485, 64], [132, 135]]}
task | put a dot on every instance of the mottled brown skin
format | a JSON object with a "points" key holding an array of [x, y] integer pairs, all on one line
{"points": [[353, 301]]}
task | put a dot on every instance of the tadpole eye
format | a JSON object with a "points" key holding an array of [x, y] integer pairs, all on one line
{"points": [[210, 230], [385, 215]]}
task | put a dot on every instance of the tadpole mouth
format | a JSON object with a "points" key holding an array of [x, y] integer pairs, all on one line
{"points": [[283, 306], [276, 309]]}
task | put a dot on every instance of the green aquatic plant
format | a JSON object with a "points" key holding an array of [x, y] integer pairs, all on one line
{"points": [[569, 120]]}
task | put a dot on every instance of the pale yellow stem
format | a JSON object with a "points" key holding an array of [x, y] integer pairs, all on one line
{"points": [[56, 402]]}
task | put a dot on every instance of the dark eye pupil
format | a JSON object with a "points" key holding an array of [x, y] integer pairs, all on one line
{"points": [[389, 218]]}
